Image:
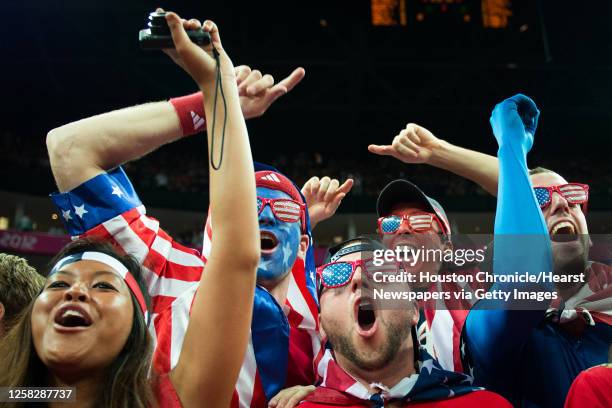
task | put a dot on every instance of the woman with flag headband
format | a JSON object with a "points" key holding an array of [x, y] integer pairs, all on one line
{"points": [[98, 200], [88, 327]]}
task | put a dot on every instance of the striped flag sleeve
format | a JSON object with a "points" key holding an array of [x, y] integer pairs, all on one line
{"points": [[108, 207]]}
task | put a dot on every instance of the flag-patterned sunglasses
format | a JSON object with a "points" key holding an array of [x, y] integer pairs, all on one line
{"points": [[416, 222], [283, 209], [338, 274], [574, 193]]}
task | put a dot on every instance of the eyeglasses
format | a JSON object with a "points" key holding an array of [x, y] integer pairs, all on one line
{"points": [[416, 222], [283, 209], [338, 274], [574, 193]]}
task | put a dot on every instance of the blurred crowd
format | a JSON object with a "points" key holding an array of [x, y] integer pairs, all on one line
{"points": [[183, 168]]}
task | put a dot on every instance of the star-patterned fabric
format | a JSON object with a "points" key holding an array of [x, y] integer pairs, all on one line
{"points": [[418, 222], [97, 200], [390, 224], [108, 207], [336, 274], [542, 195], [574, 193], [430, 383]]}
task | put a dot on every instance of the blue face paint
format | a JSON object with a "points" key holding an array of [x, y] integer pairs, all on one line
{"points": [[274, 264]]}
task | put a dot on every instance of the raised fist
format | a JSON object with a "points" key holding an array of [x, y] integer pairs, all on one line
{"points": [[514, 122]]}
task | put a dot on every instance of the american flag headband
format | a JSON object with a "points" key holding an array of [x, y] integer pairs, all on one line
{"points": [[113, 263], [352, 249]]}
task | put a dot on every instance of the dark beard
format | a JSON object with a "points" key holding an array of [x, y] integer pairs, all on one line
{"points": [[397, 334]]}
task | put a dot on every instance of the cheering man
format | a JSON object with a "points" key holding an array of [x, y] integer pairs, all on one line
{"points": [[373, 358], [555, 345], [409, 218]]}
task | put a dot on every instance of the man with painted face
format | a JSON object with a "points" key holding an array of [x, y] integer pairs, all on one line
{"points": [[372, 357], [282, 225], [285, 275], [285, 278]]}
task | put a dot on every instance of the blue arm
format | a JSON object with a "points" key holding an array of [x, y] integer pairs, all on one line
{"points": [[496, 330]]}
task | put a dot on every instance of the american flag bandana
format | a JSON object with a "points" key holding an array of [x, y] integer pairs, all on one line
{"points": [[431, 383], [593, 302], [112, 262], [443, 319], [270, 366]]}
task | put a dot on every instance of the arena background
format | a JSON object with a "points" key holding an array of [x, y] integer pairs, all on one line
{"points": [[371, 67]]}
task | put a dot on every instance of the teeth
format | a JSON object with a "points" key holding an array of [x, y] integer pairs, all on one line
{"points": [[68, 313], [563, 224], [267, 235]]}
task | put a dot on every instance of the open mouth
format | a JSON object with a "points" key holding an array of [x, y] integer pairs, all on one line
{"points": [[268, 241], [72, 316], [563, 231], [366, 317]]}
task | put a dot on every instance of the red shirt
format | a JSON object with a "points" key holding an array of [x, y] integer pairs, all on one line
{"points": [[592, 388], [165, 393]]}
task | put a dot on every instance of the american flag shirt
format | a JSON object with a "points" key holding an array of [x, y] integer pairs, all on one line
{"points": [[441, 322], [430, 382], [284, 338]]}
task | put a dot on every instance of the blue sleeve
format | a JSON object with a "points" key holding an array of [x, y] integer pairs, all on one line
{"points": [[496, 330], [270, 340], [95, 201]]}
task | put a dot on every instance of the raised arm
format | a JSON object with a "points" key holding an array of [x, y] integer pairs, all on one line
{"points": [[494, 330], [218, 331], [415, 145], [81, 150]]}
